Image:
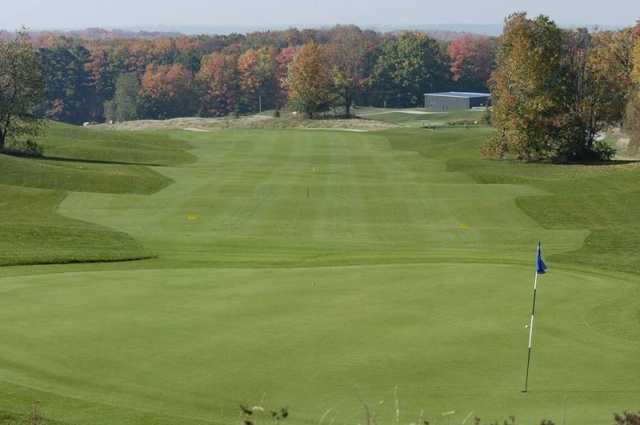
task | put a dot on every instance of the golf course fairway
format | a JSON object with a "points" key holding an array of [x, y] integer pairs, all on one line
{"points": [[329, 272]]}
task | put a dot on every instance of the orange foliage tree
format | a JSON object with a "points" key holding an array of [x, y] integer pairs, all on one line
{"points": [[633, 110], [310, 81], [167, 91]]}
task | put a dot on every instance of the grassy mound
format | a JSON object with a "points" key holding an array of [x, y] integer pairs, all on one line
{"points": [[92, 145], [77, 160], [32, 232], [80, 175]]}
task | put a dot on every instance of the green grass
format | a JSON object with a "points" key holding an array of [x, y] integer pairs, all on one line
{"points": [[70, 142], [317, 270], [76, 159], [32, 232]]}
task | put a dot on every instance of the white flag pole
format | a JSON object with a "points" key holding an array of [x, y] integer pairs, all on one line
{"points": [[531, 324]]}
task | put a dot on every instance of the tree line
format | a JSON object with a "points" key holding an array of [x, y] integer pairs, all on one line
{"points": [[555, 91], [165, 77]]}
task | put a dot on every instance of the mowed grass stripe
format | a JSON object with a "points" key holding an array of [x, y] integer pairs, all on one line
{"points": [[247, 204]]}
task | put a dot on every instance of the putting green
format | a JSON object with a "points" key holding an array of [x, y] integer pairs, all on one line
{"points": [[197, 343], [323, 271]]}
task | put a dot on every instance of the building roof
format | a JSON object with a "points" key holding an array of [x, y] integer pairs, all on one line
{"points": [[460, 94]]}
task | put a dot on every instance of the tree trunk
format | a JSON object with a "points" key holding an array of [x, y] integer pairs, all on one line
{"points": [[347, 103], [2, 140]]}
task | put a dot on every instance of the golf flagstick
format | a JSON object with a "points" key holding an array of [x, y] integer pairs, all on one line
{"points": [[541, 268], [531, 323]]}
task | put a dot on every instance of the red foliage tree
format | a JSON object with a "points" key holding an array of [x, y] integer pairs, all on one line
{"points": [[284, 60], [472, 61], [257, 71], [218, 84]]}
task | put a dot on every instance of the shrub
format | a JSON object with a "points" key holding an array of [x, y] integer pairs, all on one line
{"points": [[495, 148], [486, 117], [258, 414], [26, 148], [627, 418]]}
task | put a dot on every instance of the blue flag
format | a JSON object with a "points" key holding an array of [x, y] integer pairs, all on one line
{"points": [[541, 267]]}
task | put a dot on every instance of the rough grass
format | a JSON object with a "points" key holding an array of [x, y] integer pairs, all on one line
{"points": [[35, 417], [286, 121]]}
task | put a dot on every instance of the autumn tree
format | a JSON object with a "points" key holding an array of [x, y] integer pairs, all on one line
{"points": [[409, 66], [633, 109], [283, 60], [472, 61], [218, 85], [310, 81], [21, 90], [257, 73], [597, 80], [527, 89], [556, 92], [348, 53], [166, 92]]}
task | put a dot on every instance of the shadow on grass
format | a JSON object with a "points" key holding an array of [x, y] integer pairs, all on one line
{"points": [[600, 163], [98, 161], [19, 154]]}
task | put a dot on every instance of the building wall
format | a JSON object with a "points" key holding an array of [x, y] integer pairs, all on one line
{"points": [[452, 103], [444, 104], [478, 102]]}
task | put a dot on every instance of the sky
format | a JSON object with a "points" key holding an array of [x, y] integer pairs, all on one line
{"points": [[77, 14]]}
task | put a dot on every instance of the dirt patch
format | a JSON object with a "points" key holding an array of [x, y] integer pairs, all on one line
{"points": [[623, 143], [196, 130], [188, 124], [352, 130]]}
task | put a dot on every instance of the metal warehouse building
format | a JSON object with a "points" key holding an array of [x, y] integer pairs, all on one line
{"points": [[455, 101]]}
